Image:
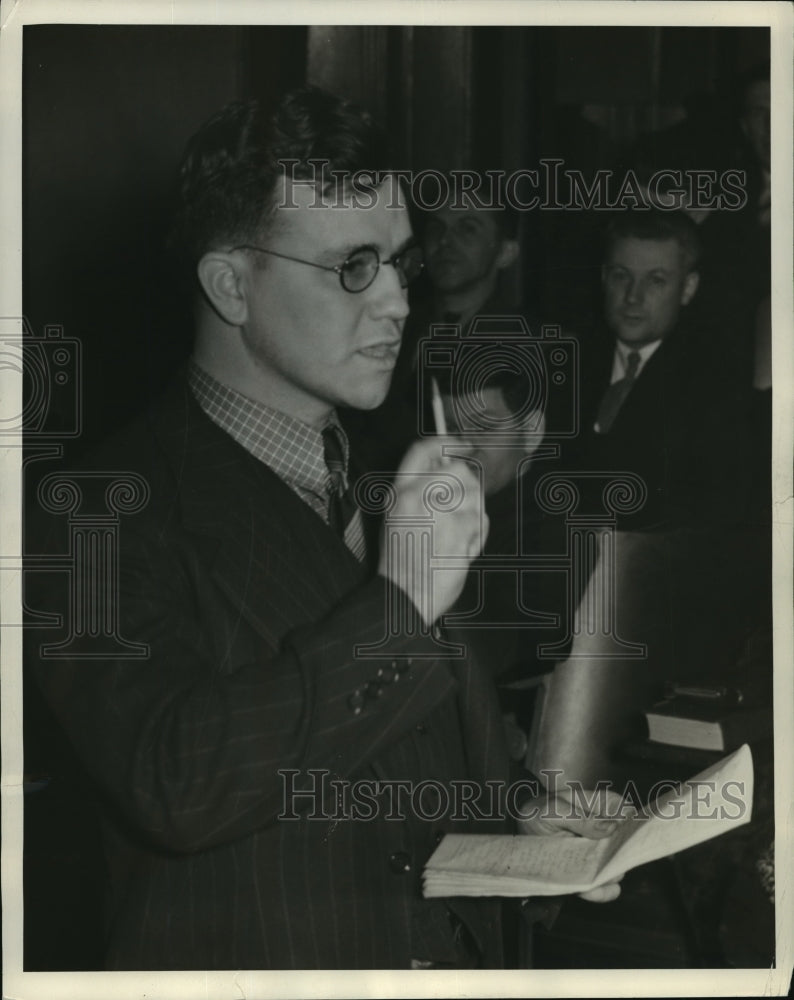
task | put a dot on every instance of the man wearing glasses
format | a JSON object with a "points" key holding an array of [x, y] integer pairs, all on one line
{"points": [[278, 662]]}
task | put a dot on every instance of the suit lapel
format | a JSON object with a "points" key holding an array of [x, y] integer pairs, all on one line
{"points": [[257, 534], [278, 563]]}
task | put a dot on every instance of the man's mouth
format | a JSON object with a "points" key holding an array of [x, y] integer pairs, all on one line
{"points": [[381, 352]]}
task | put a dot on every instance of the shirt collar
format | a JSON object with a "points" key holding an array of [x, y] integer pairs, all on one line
{"points": [[291, 448], [645, 352]]}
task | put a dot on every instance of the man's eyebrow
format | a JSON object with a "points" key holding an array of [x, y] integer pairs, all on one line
{"points": [[337, 255]]}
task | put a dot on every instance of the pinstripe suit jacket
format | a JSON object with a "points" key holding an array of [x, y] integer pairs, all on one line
{"points": [[251, 607]]}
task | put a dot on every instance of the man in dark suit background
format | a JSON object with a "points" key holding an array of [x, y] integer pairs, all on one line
{"points": [[658, 398], [661, 400], [276, 661]]}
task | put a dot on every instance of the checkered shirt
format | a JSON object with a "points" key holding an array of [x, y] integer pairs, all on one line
{"points": [[292, 449]]}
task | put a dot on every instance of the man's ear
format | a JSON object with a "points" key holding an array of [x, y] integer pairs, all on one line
{"points": [[221, 279], [534, 427], [691, 282], [508, 251]]}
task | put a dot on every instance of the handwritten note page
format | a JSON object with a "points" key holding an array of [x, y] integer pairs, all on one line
{"points": [[503, 865], [713, 802]]}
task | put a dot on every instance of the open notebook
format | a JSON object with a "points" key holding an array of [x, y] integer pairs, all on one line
{"points": [[715, 801]]}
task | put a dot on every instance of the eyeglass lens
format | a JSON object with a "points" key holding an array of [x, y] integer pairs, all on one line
{"points": [[359, 270]]}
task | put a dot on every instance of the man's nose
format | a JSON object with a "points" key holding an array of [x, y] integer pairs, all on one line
{"points": [[633, 292], [389, 298]]}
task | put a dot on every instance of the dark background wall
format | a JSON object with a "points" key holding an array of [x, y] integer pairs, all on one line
{"points": [[106, 114]]}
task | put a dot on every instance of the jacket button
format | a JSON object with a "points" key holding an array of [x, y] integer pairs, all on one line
{"points": [[374, 689], [355, 702], [400, 862], [421, 728]]}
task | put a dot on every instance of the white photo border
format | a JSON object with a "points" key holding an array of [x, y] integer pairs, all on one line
{"points": [[779, 17]]}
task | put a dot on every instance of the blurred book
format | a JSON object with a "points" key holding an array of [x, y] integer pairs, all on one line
{"points": [[704, 723], [715, 801]]}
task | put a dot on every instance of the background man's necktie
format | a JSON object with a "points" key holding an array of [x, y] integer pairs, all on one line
{"points": [[343, 514], [613, 398]]}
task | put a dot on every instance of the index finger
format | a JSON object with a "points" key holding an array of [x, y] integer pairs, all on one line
{"points": [[428, 453], [594, 828]]}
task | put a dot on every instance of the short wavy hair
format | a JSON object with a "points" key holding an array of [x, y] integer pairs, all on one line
{"points": [[226, 192], [656, 224]]}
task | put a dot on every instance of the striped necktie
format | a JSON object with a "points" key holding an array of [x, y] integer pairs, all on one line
{"points": [[343, 514], [614, 397]]}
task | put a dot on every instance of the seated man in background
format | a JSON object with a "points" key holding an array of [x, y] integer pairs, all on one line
{"points": [[470, 244], [660, 401], [734, 230], [467, 248], [657, 399], [506, 598]]}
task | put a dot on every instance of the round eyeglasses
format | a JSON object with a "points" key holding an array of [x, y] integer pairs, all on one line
{"points": [[361, 268]]}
